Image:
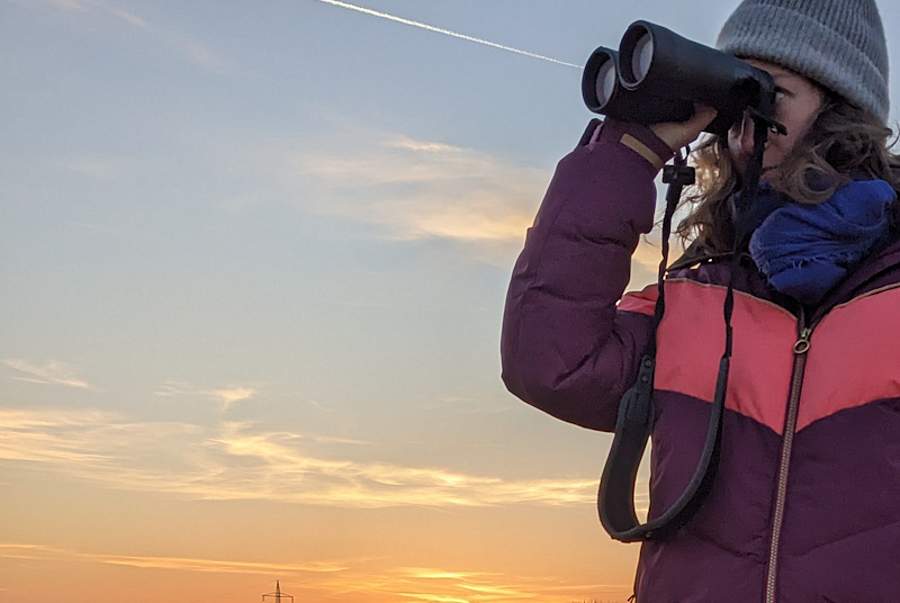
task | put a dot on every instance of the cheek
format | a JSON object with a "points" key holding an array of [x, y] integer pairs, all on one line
{"points": [[780, 146], [797, 118]]}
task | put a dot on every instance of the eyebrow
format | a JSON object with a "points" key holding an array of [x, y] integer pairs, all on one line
{"points": [[779, 78]]}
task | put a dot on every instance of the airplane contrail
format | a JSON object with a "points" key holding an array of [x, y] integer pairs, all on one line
{"points": [[446, 32]]}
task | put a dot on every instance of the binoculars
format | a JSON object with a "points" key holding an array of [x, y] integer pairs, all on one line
{"points": [[657, 75]]}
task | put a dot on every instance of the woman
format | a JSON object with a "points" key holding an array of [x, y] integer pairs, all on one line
{"points": [[806, 504]]}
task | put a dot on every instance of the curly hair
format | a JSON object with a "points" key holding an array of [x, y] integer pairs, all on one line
{"points": [[843, 140]]}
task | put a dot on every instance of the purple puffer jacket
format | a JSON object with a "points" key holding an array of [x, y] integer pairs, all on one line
{"points": [[806, 506]]}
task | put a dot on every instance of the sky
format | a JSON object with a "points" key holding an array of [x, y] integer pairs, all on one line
{"points": [[254, 258]]}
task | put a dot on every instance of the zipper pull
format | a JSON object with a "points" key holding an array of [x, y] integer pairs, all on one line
{"points": [[801, 346]]}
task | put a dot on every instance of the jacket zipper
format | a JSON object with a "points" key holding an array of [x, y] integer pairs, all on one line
{"points": [[801, 347]]}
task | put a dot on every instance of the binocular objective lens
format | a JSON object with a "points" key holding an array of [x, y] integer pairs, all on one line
{"points": [[606, 82], [642, 57]]}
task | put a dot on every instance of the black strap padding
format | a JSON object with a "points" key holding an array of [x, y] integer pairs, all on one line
{"points": [[634, 424]]}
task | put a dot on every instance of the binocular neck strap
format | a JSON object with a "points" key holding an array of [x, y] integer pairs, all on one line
{"points": [[615, 498]]}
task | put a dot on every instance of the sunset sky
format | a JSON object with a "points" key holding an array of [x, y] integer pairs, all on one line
{"points": [[253, 260]]}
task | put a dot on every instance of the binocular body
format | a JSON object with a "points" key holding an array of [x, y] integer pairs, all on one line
{"points": [[657, 75]]}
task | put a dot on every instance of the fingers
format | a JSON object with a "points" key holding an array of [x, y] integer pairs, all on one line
{"points": [[704, 115]]}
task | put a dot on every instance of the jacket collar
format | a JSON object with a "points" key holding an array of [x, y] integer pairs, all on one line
{"points": [[881, 260]]}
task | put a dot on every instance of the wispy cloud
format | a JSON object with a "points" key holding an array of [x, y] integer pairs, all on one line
{"points": [[50, 373], [318, 405], [225, 396], [192, 564], [418, 189], [30, 551], [238, 461], [446, 32], [194, 51], [229, 396], [68, 5], [96, 6], [443, 585], [414, 189], [214, 565], [325, 579]]}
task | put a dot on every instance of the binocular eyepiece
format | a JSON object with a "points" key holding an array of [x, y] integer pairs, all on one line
{"points": [[657, 75]]}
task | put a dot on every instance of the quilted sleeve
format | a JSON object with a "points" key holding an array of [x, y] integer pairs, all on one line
{"points": [[567, 346]]}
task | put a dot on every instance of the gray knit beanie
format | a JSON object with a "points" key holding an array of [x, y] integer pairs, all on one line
{"points": [[837, 43]]}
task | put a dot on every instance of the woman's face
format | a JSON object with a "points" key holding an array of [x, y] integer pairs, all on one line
{"points": [[796, 102]]}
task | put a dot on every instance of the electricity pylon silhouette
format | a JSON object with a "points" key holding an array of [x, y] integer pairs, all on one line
{"points": [[278, 594]]}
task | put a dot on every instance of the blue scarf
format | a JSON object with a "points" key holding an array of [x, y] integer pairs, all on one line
{"points": [[805, 250]]}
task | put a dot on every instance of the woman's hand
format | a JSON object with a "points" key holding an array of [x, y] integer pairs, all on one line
{"points": [[677, 134]]}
